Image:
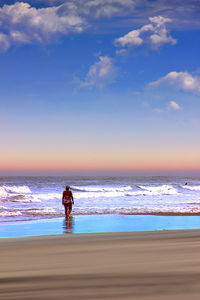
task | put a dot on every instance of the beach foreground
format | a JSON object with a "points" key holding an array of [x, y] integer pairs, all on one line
{"points": [[137, 265]]}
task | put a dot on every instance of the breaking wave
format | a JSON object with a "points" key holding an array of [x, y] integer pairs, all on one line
{"points": [[5, 191], [192, 188], [161, 190], [126, 191], [95, 192], [101, 189], [17, 189], [24, 194]]}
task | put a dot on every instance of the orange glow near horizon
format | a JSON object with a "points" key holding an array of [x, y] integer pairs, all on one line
{"points": [[101, 160], [101, 166]]}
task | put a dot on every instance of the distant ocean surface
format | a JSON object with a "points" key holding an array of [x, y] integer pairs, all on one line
{"points": [[32, 198]]}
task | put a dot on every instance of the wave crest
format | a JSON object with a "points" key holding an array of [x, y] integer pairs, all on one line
{"points": [[161, 190], [101, 189], [3, 192], [192, 188], [17, 189]]}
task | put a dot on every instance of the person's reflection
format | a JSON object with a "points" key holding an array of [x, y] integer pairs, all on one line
{"points": [[68, 224]]}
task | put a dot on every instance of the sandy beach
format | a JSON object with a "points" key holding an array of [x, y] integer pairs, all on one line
{"points": [[134, 265]]}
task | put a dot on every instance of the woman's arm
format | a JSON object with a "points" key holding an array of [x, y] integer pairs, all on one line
{"points": [[63, 198]]}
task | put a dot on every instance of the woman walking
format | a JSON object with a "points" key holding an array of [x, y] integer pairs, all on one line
{"points": [[67, 200]]}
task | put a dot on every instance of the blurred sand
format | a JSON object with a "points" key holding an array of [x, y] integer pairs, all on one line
{"points": [[138, 265]]}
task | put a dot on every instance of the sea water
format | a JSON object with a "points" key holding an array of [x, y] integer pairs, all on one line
{"points": [[33, 198]]}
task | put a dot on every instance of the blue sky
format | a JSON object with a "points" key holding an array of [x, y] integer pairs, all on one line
{"points": [[100, 86]]}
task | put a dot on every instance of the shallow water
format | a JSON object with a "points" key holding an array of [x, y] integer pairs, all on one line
{"points": [[97, 224]]}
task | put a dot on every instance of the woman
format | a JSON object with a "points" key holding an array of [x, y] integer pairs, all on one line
{"points": [[67, 200]]}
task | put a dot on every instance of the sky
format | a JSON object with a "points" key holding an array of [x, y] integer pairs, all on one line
{"points": [[100, 87]]}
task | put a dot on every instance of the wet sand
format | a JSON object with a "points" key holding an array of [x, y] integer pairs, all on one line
{"points": [[135, 265]]}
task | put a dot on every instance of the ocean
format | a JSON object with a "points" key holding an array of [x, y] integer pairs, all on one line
{"points": [[32, 198]]}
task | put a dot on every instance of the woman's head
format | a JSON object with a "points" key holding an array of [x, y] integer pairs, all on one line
{"points": [[67, 187]]}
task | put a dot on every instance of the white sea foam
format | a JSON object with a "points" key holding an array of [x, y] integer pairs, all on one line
{"points": [[3, 192], [6, 191], [48, 196], [192, 188], [144, 190], [161, 190], [21, 198], [50, 212], [17, 189], [161, 210], [139, 211], [10, 213], [101, 189], [98, 195], [40, 211]]}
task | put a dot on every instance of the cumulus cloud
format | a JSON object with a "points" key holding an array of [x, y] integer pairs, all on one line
{"points": [[108, 8], [160, 34], [155, 33], [21, 24], [29, 24], [184, 13], [182, 80], [174, 105], [101, 72], [131, 38], [95, 8]]}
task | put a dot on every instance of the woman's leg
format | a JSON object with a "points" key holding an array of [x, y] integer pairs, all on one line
{"points": [[70, 208], [66, 210]]}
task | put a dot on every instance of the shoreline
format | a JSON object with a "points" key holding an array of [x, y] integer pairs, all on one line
{"points": [[134, 265], [98, 224]]}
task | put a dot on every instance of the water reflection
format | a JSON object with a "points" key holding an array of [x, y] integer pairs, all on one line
{"points": [[68, 224]]}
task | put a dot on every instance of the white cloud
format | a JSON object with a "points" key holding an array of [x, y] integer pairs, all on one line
{"points": [[19, 37], [131, 38], [108, 8], [154, 33], [95, 8], [182, 80], [23, 23], [184, 13], [174, 105], [101, 72], [160, 35], [20, 23], [98, 8]]}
